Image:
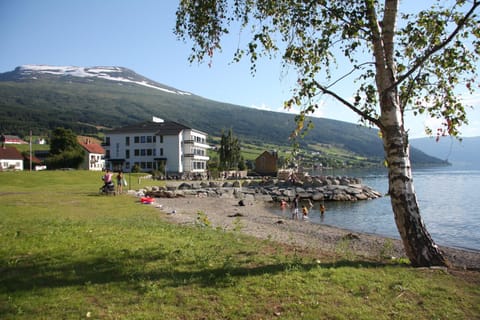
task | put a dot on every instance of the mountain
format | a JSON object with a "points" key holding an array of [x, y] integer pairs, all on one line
{"points": [[117, 74], [461, 153], [91, 100]]}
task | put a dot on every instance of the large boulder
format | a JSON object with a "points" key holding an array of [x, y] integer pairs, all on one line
{"points": [[184, 186], [318, 196]]}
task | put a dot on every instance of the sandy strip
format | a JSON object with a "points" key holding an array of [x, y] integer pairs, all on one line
{"points": [[256, 220]]}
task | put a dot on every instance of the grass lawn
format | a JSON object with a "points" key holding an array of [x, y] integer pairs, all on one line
{"points": [[68, 253]]}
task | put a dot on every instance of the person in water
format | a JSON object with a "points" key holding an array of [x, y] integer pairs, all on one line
{"points": [[304, 213], [295, 207], [322, 209]]}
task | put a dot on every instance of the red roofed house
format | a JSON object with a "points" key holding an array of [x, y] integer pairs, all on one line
{"points": [[94, 154], [9, 139], [36, 163], [10, 158]]}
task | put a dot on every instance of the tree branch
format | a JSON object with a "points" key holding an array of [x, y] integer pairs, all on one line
{"points": [[438, 47], [378, 46], [409, 90], [388, 31], [348, 73], [325, 90]]}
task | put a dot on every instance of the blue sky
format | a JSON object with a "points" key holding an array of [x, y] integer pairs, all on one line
{"points": [[139, 35]]}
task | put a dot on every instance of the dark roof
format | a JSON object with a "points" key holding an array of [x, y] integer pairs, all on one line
{"points": [[160, 128], [268, 154], [35, 160], [10, 153]]}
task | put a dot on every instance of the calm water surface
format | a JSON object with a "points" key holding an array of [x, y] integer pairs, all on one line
{"points": [[448, 199]]}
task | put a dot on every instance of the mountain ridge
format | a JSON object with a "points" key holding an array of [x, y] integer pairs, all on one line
{"points": [[462, 153], [113, 73], [47, 97]]}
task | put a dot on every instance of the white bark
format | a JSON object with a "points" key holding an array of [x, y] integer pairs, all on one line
{"points": [[419, 246]]}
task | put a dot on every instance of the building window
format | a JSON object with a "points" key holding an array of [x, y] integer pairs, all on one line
{"points": [[142, 139], [199, 139], [198, 152], [127, 153], [161, 151], [127, 141], [136, 139], [136, 152], [142, 152], [161, 139], [149, 152], [198, 165], [154, 139], [149, 139]]}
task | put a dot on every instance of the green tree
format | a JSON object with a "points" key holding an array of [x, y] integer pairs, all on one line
{"points": [[241, 164], [65, 151], [229, 151], [415, 67]]}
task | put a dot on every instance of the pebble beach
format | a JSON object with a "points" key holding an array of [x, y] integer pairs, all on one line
{"points": [[256, 220]]}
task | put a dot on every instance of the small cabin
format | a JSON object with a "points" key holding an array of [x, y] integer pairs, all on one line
{"points": [[266, 163]]}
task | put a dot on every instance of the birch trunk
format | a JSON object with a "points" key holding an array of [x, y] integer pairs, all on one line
{"points": [[418, 244]]}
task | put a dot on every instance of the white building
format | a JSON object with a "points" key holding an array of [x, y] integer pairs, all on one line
{"points": [[166, 146], [10, 158], [94, 154]]}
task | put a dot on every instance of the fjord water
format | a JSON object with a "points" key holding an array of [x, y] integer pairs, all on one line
{"points": [[449, 200]]}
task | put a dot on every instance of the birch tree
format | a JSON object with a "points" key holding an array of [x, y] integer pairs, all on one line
{"points": [[400, 62]]}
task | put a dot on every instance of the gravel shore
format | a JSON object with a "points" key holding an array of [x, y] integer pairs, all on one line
{"points": [[256, 220]]}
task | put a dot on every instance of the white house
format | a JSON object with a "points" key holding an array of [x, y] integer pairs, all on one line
{"points": [[166, 146], [10, 158], [94, 154]]}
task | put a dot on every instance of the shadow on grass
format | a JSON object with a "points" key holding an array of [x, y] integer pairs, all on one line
{"points": [[36, 272]]}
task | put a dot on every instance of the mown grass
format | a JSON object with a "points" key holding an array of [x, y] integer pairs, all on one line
{"points": [[69, 253]]}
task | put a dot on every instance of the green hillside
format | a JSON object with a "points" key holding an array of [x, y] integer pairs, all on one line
{"points": [[94, 106]]}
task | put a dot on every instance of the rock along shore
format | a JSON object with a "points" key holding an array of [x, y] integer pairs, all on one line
{"points": [[313, 188]]}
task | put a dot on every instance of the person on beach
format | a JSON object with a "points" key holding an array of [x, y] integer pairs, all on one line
{"points": [[295, 206], [120, 182]]}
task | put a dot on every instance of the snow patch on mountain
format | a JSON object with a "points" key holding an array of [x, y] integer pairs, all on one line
{"points": [[107, 73]]}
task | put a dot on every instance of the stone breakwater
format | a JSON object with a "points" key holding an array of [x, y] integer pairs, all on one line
{"points": [[312, 188]]}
